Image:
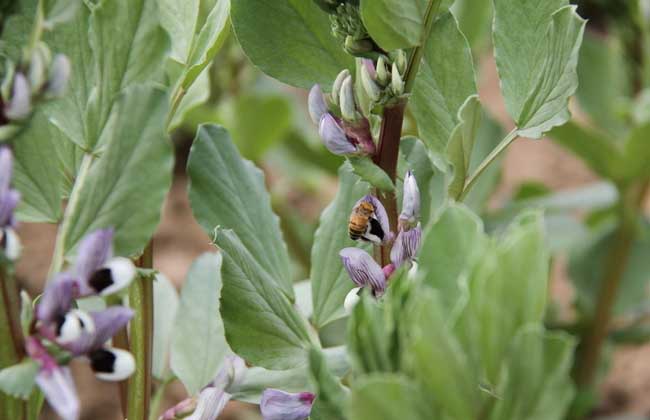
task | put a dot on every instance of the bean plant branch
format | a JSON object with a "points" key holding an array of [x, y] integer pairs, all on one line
{"points": [[630, 207]]}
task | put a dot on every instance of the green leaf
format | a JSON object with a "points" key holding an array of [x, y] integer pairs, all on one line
{"points": [[461, 144], [18, 380], [59, 11], [198, 342], [125, 188], [262, 325], [371, 173], [329, 281], [290, 40], [536, 49], [331, 395], [452, 245], [445, 80], [179, 18], [272, 116], [437, 359], [474, 20], [134, 54], [536, 382], [507, 290], [605, 79], [395, 25], [637, 153], [166, 304], [593, 148], [227, 191], [431, 178], [387, 397]]}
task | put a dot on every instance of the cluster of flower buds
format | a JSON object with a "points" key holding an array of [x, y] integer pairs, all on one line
{"points": [[39, 77], [341, 124], [9, 198], [348, 26], [364, 271], [60, 332], [383, 80]]}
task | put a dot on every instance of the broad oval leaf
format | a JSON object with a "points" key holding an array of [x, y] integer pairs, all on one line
{"points": [[198, 341], [371, 173], [227, 191], [126, 187], [445, 80], [329, 280], [536, 48], [166, 304], [290, 40], [262, 325]]}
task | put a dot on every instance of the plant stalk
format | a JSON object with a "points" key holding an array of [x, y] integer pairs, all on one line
{"points": [[616, 265], [141, 341], [11, 344], [74, 201]]}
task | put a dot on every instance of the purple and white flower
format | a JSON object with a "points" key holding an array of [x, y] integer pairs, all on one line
{"points": [[9, 198], [364, 270], [280, 405], [378, 227]]}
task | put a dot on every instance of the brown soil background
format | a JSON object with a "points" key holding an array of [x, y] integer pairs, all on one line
{"points": [[179, 240]]}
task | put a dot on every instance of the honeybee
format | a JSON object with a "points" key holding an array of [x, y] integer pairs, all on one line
{"points": [[364, 225]]}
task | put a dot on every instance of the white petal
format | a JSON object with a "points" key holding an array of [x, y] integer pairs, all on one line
{"points": [[351, 300], [13, 247], [75, 323], [122, 367], [122, 273]]}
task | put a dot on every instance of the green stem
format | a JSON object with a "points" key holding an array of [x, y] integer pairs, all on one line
{"points": [[141, 341], [511, 137], [37, 29], [616, 263], [159, 395], [418, 52], [11, 339], [177, 97], [74, 201]]}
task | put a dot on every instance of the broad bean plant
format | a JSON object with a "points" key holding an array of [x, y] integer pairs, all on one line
{"points": [[414, 308]]}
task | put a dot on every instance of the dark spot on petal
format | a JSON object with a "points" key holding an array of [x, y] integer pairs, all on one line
{"points": [[101, 280], [375, 228], [59, 320], [102, 361]]}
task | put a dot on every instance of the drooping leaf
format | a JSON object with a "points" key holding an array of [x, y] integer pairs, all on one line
{"points": [[461, 144], [445, 80], [536, 49], [371, 173], [596, 150], [125, 188], [166, 304], [290, 40], [227, 191], [452, 245], [198, 341], [399, 24], [18, 380], [262, 325], [329, 280], [637, 153], [387, 397]]}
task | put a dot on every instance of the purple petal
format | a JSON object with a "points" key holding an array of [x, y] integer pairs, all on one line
{"points": [[358, 132], [280, 405], [8, 203], [95, 249], [58, 387], [20, 105], [211, 402], [406, 246], [380, 214], [370, 66], [363, 269], [56, 300], [334, 136], [6, 165], [231, 374], [107, 323], [316, 104], [411, 201]]}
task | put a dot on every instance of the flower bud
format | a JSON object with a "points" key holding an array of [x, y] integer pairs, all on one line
{"points": [[401, 61], [396, 83], [338, 84], [358, 46], [411, 200], [347, 101], [59, 75], [280, 405], [8, 81], [20, 105], [334, 136], [369, 85], [383, 76], [406, 246], [316, 104], [38, 64]]}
